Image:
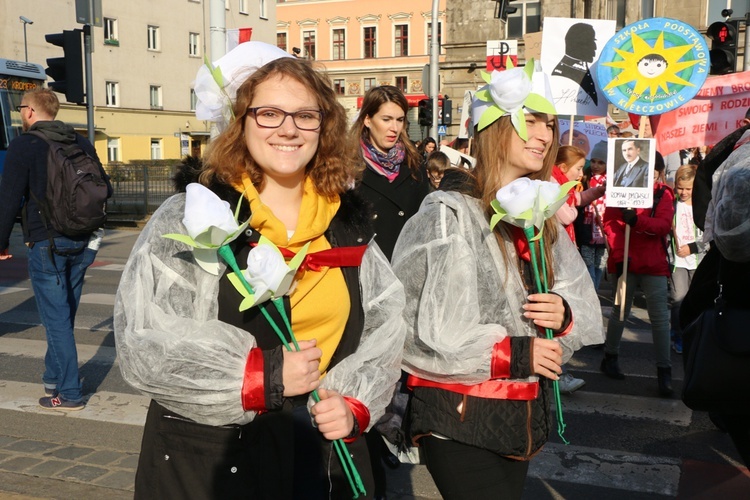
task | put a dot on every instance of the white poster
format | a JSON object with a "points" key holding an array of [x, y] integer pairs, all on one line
{"points": [[586, 135], [570, 52], [630, 172]]}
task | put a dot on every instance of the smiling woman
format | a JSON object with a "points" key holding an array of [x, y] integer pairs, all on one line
{"points": [[249, 402]]}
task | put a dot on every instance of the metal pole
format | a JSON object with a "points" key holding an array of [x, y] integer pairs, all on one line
{"points": [[25, 47], [218, 27], [89, 82], [434, 69]]}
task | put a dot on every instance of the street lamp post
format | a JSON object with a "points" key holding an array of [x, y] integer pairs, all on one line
{"points": [[25, 21]]}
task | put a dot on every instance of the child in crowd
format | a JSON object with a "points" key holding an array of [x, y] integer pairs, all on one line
{"points": [[687, 248], [437, 164], [589, 229]]}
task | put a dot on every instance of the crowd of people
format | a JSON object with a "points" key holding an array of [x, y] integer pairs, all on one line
{"points": [[406, 291]]}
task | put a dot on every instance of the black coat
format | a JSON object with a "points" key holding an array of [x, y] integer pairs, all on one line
{"points": [[392, 203], [261, 459]]}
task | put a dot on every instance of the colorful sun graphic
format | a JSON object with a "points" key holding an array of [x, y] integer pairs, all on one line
{"points": [[652, 68]]}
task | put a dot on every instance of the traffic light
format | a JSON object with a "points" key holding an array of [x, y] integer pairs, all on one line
{"points": [[503, 8], [67, 71], [425, 112], [723, 35], [447, 112]]}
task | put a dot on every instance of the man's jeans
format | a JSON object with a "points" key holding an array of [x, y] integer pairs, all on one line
{"points": [[655, 290], [57, 281]]}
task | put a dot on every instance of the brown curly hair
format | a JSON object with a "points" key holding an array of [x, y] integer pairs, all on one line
{"points": [[330, 169]]}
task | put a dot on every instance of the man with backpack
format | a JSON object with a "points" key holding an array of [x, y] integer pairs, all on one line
{"points": [[54, 177]]}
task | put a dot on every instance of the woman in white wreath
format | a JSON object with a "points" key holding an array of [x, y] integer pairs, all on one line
{"points": [[478, 361], [232, 414]]}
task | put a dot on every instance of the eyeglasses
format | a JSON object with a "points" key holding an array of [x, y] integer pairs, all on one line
{"points": [[19, 108], [268, 117]]}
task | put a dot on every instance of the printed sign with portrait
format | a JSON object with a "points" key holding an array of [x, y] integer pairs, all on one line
{"points": [[572, 64], [586, 135], [630, 172]]}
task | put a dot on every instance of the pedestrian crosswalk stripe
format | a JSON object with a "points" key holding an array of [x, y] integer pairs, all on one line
{"points": [[11, 289], [672, 411], [36, 349]]}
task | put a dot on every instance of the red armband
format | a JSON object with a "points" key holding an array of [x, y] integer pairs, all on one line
{"points": [[253, 388], [361, 416], [500, 364]]}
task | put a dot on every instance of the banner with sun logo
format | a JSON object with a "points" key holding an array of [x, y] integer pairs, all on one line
{"points": [[653, 66]]}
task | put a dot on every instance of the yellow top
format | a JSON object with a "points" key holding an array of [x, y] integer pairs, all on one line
{"points": [[320, 299]]}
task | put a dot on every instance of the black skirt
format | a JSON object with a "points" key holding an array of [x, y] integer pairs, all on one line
{"points": [[279, 455]]}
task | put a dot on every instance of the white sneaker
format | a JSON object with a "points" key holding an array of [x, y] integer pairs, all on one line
{"points": [[569, 384]]}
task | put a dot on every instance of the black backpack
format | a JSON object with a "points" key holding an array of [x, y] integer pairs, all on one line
{"points": [[76, 193]]}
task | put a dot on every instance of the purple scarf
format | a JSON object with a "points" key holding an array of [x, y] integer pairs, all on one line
{"points": [[386, 165]]}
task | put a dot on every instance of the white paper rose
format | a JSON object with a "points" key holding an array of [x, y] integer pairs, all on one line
{"points": [[268, 275], [209, 223], [518, 196], [266, 270], [526, 203], [510, 88]]}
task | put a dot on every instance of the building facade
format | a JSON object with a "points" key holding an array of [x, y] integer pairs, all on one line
{"points": [[363, 44], [145, 58], [470, 23]]}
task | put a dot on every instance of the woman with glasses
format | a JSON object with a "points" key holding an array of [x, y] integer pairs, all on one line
{"points": [[232, 415]]}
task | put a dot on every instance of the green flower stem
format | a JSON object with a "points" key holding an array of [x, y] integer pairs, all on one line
{"points": [[529, 233], [352, 474]]}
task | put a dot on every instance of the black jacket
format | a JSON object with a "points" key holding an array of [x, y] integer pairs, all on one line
{"points": [[26, 170], [392, 203]]}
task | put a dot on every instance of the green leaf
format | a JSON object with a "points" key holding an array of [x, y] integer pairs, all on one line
{"points": [[529, 68], [539, 104], [483, 95], [235, 281], [487, 77], [519, 123], [297, 260], [495, 220], [489, 116], [183, 238]]}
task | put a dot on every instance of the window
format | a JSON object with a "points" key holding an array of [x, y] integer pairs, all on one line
{"points": [[370, 83], [647, 9], [714, 8], [156, 149], [113, 149], [153, 38], [339, 44], [339, 86], [110, 31], [527, 19], [369, 42], [112, 94], [155, 96], [401, 83], [401, 42], [616, 11], [281, 41], [193, 100], [194, 45], [262, 9], [439, 37], [308, 41], [243, 7]]}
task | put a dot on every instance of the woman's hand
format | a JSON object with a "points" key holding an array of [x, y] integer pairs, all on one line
{"points": [[547, 358], [546, 310], [683, 251], [332, 415], [301, 372]]}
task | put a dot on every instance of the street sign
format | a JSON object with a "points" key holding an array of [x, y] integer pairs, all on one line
{"points": [[442, 130], [82, 12]]}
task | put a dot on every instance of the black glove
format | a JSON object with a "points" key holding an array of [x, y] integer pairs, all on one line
{"points": [[629, 216]]}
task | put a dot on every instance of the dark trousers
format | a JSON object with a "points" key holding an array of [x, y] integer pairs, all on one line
{"points": [[466, 472]]}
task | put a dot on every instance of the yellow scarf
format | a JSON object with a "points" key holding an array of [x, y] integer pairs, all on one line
{"points": [[320, 299]]}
